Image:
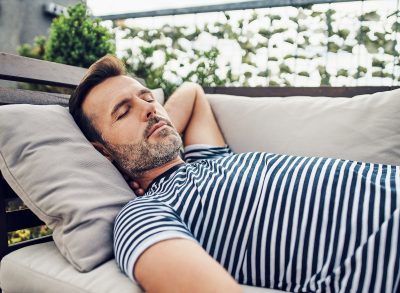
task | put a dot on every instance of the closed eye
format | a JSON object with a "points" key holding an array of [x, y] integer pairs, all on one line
{"points": [[148, 97], [124, 114]]}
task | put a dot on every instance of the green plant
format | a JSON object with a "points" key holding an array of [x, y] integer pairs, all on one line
{"points": [[77, 39], [304, 73], [342, 72], [24, 234], [27, 234], [36, 50], [204, 73], [183, 62], [325, 76]]}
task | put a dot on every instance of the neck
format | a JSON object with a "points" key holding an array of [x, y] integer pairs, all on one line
{"points": [[148, 176]]}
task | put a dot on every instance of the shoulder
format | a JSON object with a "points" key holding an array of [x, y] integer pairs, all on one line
{"points": [[141, 204], [197, 152]]}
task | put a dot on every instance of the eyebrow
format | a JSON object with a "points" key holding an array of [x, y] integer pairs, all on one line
{"points": [[126, 100]]}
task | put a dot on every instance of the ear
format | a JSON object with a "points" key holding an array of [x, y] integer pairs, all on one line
{"points": [[102, 149]]}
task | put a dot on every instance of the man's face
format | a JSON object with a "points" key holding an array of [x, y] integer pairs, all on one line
{"points": [[136, 128]]}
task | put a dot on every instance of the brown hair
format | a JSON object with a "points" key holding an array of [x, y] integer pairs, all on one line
{"points": [[106, 67]]}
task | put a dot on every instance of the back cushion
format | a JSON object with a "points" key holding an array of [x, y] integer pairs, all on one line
{"points": [[61, 177], [364, 128]]}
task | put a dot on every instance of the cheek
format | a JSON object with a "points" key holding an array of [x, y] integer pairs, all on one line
{"points": [[127, 132]]}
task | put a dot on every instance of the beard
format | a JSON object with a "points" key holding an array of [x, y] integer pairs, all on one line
{"points": [[136, 159]]}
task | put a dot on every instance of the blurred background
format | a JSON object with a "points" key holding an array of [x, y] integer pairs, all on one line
{"points": [[319, 43]]}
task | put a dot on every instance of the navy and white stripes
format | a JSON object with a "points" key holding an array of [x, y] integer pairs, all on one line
{"points": [[284, 222]]}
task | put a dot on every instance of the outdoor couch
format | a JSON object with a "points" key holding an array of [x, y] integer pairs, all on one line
{"points": [[290, 121]]}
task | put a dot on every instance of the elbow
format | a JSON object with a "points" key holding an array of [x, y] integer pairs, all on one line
{"points": [[195, 87]]}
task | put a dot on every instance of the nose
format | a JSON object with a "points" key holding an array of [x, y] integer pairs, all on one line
{"points": [[149, 110]]}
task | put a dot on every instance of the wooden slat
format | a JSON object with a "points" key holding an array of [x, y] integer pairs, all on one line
{"points": [[17, 96], [17, 68], [21, 219], [297, 91]]}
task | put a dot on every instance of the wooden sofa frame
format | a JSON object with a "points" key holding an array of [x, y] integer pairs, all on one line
{"points": [[22, 69]]}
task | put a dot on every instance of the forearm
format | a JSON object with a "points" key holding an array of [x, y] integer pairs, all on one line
{"points": [[192, 116], [180, 105]]}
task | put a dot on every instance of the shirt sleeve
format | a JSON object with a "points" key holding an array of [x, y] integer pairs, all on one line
{"points": [[196, 152], [140, 224]]}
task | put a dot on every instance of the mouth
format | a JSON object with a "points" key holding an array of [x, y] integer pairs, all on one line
{"points": [[156, 126]]}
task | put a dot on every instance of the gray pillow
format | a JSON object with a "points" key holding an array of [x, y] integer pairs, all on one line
{"points": [[363, 128], [60, 176]]}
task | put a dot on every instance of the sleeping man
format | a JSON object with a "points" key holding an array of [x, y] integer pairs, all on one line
{"points": [[208, 220]]}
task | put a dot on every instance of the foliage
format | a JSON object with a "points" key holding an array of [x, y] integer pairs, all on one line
{"points": [[177, 47], [36, 50], [203, 63], [27, 234], [168, 55], [75, 39], [24, 234], [204, 72]]}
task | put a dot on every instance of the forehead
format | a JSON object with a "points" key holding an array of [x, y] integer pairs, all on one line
{"points": [[103, 96]]}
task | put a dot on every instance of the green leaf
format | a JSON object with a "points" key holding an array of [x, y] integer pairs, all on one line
{"points": [[304, 73], [342, 72], [370, 16]]}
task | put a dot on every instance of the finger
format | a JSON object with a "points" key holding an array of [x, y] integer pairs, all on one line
{"points": [[135, 184], [140, 191]]}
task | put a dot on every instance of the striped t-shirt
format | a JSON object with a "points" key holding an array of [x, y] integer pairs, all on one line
{"points": [[276, 221]]}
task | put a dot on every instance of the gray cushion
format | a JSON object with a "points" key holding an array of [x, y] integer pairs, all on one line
{"points": [[61, 177], [41, 269], [364, 128]]}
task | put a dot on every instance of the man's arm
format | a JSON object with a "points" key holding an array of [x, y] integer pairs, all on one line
{"points": [[181, 265], [192, 116]]}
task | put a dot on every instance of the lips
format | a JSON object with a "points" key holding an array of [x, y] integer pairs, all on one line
{"points": [[155, 127]]}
